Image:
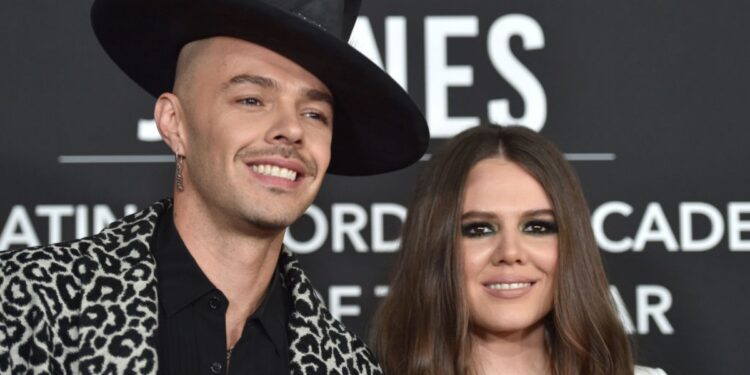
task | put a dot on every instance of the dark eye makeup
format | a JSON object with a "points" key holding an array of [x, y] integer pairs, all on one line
{"points": [[477, 229], [540, 227]]}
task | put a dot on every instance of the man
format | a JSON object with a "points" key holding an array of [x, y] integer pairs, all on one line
{"points": [[257, 99]]}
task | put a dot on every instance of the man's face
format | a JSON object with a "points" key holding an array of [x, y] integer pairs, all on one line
{"points": [[257, 133]]}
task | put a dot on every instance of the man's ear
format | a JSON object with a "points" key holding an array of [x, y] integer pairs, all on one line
{"points": [[170, 122]]}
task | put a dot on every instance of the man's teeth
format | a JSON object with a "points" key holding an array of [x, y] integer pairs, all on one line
{"points": [[509, 286], [275, 171]]}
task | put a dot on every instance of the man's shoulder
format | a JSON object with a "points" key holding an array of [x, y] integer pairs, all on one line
{"points": [[317, 338], [25, 261], [39, 282], [95, 295], [117, 240]]}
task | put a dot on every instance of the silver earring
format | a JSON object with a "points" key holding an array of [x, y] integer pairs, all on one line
{"points": [[178, 159]]}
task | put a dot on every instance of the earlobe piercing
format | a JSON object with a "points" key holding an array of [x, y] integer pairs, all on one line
{"points": [[178, 172]]}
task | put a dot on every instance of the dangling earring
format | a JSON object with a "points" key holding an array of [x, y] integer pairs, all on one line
{"points": [[178, 159]]}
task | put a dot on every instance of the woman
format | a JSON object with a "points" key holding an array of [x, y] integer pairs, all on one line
{"points": [[499, 272]]}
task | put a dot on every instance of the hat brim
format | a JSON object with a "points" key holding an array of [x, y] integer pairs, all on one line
{"points": [[377, 127]]}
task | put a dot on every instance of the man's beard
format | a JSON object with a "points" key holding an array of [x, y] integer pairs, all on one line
{"points": [[275, 220]]}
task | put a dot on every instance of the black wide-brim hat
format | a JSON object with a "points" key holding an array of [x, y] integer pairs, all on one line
{"points": [[377, 127]]}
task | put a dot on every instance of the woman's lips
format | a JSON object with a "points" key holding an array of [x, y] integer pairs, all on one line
{"points": [[509, 289]]}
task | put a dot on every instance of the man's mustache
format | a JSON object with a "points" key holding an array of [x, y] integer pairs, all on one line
{"points": [[311, 169]]}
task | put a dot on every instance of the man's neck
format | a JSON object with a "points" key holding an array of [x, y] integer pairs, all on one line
{"points": [[238, 263]]}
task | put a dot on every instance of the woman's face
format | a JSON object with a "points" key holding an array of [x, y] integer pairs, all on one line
{"points": [[508, 241]]}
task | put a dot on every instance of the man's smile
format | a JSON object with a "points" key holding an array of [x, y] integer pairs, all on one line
{"points": [[274, 171]]}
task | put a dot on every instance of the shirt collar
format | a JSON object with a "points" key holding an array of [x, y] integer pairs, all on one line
{"points": [[180, 279], [273, 313], [181, 282]]}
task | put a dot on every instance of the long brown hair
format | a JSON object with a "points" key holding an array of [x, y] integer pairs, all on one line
{"points": [[422, 327]]}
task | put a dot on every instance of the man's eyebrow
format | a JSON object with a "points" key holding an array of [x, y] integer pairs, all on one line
{"points": [[317, 95], [265, 82], [261, 81]]}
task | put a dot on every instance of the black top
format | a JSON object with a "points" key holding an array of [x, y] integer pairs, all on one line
{"points": [[192, 333]]}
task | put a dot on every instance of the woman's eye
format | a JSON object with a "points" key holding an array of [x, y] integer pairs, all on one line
{"points": [[540, 227], [477, 229], [250, 101]]}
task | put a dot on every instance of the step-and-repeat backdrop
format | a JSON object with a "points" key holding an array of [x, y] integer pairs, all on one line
{"points": [[648, 99]]}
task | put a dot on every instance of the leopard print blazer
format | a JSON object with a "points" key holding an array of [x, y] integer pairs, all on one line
{"points": [[90, 306]]}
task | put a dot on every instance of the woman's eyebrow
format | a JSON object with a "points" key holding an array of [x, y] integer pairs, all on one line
{"points": [[539, 212], [478, 215]]}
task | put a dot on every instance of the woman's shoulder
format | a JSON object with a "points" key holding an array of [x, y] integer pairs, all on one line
{"points": [[642, 370]]}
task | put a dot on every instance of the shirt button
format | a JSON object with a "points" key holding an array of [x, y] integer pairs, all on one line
{"points": [[216, 368], [214, 303]]}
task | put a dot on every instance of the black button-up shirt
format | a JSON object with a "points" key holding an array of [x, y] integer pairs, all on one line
{"points": [[192, 327]]}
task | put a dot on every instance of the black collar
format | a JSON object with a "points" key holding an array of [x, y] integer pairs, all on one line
{"points": [[182, 282]]}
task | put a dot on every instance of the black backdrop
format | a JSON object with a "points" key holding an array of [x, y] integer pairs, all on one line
{"points": [[648, 98]]}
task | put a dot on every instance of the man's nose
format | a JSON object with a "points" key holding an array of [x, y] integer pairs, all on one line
{"points": [[287, 127]]}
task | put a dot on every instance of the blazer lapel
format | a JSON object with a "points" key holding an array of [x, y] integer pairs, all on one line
{"points": [[119, 307]]}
